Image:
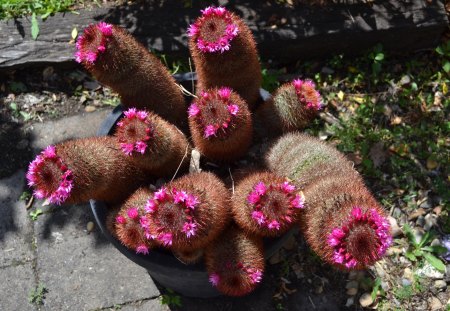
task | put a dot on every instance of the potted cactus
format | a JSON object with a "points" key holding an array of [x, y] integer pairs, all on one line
{"points": [[203, 233]]}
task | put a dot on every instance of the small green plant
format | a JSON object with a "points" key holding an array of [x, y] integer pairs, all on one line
{"points": [[25, 196], [171, 299], [377, 289], [37, 295], [444, 50], [377, 57], [419, 249], [35, 214], [269, 79]]}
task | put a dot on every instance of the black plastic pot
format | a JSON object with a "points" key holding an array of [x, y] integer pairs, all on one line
{"points": [[188, 280]]}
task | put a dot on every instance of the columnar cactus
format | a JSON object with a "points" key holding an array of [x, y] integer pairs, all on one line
{"points": [[293, 106], [189, 256], [116, 59], [189, 212], [131, 223], [78, 170], [151, 143], [224, 53], [235, 263], [220, 124], [265, 204], [344, 224], [304, 159]]}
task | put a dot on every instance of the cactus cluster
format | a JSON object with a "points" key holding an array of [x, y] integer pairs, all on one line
{"points": [[304, 183]]}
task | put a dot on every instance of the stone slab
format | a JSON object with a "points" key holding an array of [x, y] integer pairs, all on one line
{"points": [[80, 125], [81, 270], [16, 284], [148, 305], [16, 233], [283, 34]]}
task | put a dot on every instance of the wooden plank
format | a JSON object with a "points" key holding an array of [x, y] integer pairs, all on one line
{"points": [[283, 34]]}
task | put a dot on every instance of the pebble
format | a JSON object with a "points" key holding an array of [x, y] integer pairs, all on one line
{"points": [[90, 108], [434, 304], [350, 302], [430, 272], [90, 226], [351, 284], [395, 229], [437, 210], [440, 284], [418, 234], [365, 300], [408, 274], [430, 221], [436, 242], [276, 258], [352, 291], [352, 275], [397, 212], [420, 221], [426, 204], [406, 282]]}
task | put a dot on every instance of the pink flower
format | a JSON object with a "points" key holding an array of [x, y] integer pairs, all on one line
{"points": [[127, 148], [233, 109], [150, 206], [49, 152], [260, 188], [286, 187], [142, 114], [140, 146], [191, 201], [210, 130], [78, 56], [253, 198], [101, 48], [165, 238], [179, 196], [255, 275], [120, 219], [192, 30], [193, 110], [357, 213], [297, 83], [90, 57], [161, 194], [130, 113], [142, 249], [133, 213], [259, 217], [224, 92], [214, 278], [298, 201], [144, 222], [273, 225], [105, 28], [189, 228]]}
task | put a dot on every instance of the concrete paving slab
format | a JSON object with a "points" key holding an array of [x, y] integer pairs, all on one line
{"points": [[81, 125], [16, 233], [16, 284], [148, 305], [81, 270]]}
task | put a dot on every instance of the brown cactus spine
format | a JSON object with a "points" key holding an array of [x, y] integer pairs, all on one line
{"points": [[189, 212], [265, 204], [235, 262], [131, 223], [220, 124], [304, 159], [344, 224], [78, 170], [116, 59], [224, 53], [151, 143]]}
